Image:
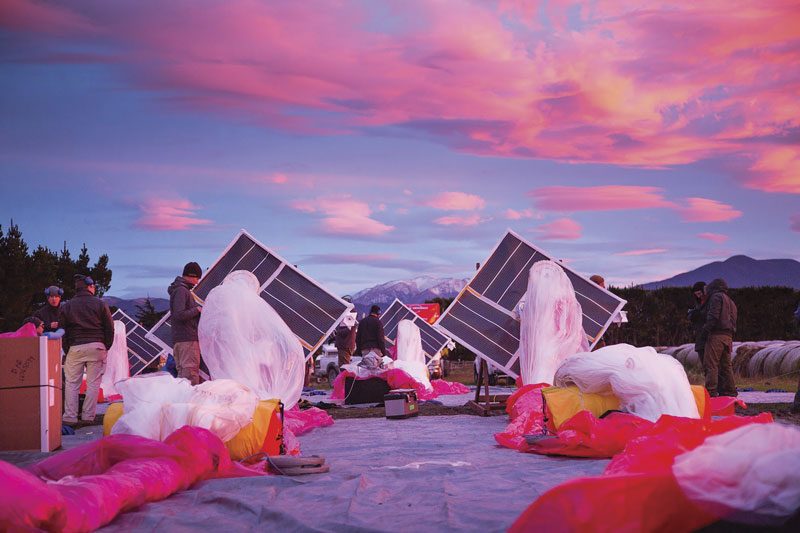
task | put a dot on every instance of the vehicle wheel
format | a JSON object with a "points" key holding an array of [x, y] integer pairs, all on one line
{"points": [[332, 373], [492, 379]]}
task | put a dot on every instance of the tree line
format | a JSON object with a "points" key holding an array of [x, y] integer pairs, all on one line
{"points": [[25, 274]]}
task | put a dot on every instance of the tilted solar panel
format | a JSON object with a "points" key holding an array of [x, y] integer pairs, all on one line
{"points": [[310, 311], [432, 339], [482, 316], [141, 351]]}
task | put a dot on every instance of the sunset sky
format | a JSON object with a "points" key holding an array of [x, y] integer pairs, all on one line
{"points": [[369, 141]]}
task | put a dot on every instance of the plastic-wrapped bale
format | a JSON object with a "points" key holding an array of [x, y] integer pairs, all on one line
{"points": [[681, 352], [791, 363], [410, 357], [742, 355], [551, 326], [755, 368], [117, 365], [692, 358], [648, 384], [244, 339], [772, 364]]}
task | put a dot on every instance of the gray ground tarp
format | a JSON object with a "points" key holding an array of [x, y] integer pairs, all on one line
{"points": [[436, 473]]}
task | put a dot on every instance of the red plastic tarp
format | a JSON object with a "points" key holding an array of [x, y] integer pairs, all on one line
{"points": [[638, 491], [89, 485], [302, 421], [397, 379]]}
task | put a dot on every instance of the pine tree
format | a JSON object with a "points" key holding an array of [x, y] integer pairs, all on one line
{"points": [[147, 315]]}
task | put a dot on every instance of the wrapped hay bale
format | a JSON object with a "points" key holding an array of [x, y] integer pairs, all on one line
{"points": [[692, 359], [772, 364], [682, 351], [741, 357], [755, 367], [791, 362]]}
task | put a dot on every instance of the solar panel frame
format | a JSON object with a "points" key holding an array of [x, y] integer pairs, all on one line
{"points": [[141, 350], [433, 340], [275, 276], [482, 315]]}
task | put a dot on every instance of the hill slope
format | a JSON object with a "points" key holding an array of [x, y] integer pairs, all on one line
{"points": [[739, 271]]}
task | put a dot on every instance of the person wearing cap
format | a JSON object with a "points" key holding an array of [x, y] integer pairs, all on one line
{"points": [[370, 336], [89, 335], [697, 317], [48, 313], [184, 317]]}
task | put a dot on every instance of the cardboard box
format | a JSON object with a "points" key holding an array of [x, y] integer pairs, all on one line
{"points": [[30, 394], [401, 403]]}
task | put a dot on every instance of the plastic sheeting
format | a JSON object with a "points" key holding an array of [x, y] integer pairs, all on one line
{"points": [[638, 491], [242, 338], [752, 473], [300, 422], [551, 323], [395, 377], [647, 383], [410, 357], [117, 364], [86, 487], [27, 330], [158, 404]]}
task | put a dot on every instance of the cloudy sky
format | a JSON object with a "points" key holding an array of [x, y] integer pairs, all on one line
{"points": [[368, 141]]}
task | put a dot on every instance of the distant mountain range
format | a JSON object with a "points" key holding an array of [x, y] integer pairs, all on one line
{"points": [[408, 291], [739, 271], [129, 306]]}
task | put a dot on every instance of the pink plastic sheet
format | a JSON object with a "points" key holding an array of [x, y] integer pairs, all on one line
{"points": [[27, 330], [302, 421], [725, 405], [525, 407], [446, 388], [396, 378], [98, 480], [638, 491]]}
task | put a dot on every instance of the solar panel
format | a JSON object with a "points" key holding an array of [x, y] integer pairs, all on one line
{"points": [[141, 351], [433, 340], [310, 311], [482, 316]]}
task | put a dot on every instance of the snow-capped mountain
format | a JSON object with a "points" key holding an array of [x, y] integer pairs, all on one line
{"points": [[408, 291]]}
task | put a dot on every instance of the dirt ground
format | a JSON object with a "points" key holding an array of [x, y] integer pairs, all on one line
{"points": [[780, 412]]}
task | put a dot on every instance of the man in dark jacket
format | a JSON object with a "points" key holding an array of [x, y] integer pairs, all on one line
{"points": [[697, 317], [719, 328], [370, 334], [184, 318], [48, 313], [89, 335]]}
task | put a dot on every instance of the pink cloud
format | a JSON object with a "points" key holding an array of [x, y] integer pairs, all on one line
{"points": [[561, 229], [460, 220], [644, 252], [713, 237], [794, 222], [456, 201], [595, 84], [512, 214], [602, 198], [279, 178], [707, 210], [342, 215], [161, 214]]}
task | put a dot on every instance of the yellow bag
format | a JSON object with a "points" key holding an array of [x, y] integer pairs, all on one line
{"points": [[263, 434], [561, 403], [113, 413]]}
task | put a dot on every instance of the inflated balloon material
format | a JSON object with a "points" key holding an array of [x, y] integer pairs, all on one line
{"points": [[87, 486], [409, 342], [551, 323], [117, 365], [300, 422], [638, 491], [158, 404], [648, 384], [242, 338], [751, 473]]}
